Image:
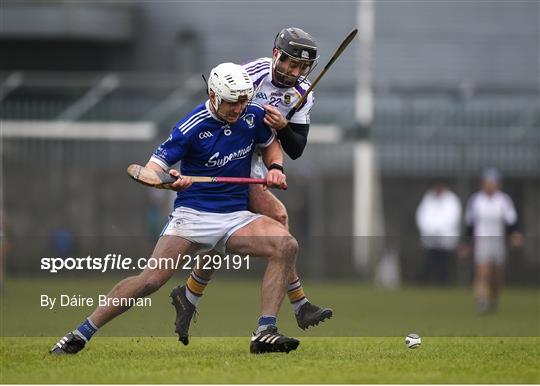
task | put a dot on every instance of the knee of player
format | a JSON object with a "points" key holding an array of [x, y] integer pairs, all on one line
{"points": [[288, 247]]}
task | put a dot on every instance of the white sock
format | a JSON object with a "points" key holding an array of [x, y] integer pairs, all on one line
{"points": [[298, 304], [191, 297]]}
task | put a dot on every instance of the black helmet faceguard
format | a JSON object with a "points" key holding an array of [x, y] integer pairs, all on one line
{"points": [[297, 56]]}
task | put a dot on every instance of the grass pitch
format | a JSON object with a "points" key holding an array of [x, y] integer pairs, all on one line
{"points": [[317, 360], [363, 343], [231, 308]]}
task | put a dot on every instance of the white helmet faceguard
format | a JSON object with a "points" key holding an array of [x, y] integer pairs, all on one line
{"points": [[230, 82]]}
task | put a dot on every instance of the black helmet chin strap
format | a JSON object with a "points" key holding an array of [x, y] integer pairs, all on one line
{"points": [[205, 84]]}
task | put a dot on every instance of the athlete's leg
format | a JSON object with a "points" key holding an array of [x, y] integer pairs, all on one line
{"points": [[207, 272], [497, 277], [196, 283], [148, 281], [167, 250], [444, 274], [267, 238], [264, 202], [482, 274], [185, 298]]}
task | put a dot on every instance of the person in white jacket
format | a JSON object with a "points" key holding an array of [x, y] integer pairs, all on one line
{"points": [[438, 218]]}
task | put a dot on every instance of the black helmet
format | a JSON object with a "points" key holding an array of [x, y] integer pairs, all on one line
{"points": [[297, 46]]}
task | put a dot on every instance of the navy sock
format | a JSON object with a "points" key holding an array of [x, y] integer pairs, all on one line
{"points": [[86, 330], [265, 321]]}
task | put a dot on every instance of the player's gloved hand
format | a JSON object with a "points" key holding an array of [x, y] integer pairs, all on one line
{"points": [[275, 179], [182, 183], [273, 118]]}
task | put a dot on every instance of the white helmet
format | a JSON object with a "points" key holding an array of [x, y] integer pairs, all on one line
{"points": [[231, 83]]}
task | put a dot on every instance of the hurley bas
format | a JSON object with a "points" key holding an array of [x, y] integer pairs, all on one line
{"points": [[102, 300]]}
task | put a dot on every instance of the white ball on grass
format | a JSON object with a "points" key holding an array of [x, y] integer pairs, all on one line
{"points": [[413, 340]]}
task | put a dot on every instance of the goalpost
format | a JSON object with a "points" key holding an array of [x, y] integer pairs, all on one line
{"points": [[370, 257]]}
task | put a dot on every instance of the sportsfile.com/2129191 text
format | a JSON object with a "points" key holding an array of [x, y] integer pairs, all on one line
{"points": [[113, 261]]}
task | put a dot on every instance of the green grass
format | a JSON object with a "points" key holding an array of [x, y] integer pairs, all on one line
{"points": [[231, 308], [317, 360], [363, 343]]}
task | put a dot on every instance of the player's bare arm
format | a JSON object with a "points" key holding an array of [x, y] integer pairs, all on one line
{"points": [[155, 166], [180, 184]]}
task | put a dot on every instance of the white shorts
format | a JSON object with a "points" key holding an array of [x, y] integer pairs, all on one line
{"points": [[489, 249], [209, 230], [258, 169]]}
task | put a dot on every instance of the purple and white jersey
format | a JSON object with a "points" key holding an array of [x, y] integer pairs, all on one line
{"points": [[260, 71]]}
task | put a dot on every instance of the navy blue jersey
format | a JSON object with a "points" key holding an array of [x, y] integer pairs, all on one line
{"points": [[207, 146]]}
